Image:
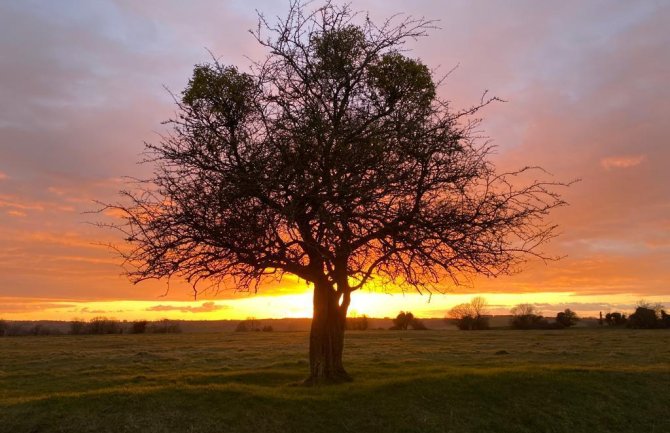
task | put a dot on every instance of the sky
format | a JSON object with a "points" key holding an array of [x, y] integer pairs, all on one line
{"points": [[83, 86]]}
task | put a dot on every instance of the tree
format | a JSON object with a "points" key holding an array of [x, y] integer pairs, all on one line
{"points": [[615, 319], [567, 318], [526, 316], [644, 317], [472, 315], [333, 159], [402, 321]]}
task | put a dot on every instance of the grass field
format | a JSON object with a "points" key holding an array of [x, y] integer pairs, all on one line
{"points": [[580, 380]]}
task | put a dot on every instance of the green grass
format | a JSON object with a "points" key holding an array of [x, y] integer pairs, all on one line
{"points": [[577, 380]]}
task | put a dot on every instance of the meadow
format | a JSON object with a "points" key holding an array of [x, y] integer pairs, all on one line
{"points": [[577, 380]]}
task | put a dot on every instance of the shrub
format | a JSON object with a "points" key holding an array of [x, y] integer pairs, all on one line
{"points": [[267, 328], [567, 318], [139, 327], [3, 327], [418, 325], [242, 327], [103, 325]]}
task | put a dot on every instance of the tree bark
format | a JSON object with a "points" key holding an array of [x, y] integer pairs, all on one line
{"points": [[326, 340]]}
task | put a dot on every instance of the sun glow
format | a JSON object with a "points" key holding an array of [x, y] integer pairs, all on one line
{"points": [[298, 305]]}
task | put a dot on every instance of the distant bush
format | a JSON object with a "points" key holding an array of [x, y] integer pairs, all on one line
{"points": [[357, 323], [138, 327], [567, 318], [103, 325], [402, 321], [665, 319], [470, 316], [417, 325], [3, 327], [267, 328], [242, 326], [526, 316], [615, 319], [406, 320], [164, 326]]}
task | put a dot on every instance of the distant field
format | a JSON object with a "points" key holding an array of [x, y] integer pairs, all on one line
{"points": [[579, 380]]}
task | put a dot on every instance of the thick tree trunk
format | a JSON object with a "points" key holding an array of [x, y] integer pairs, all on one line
{"points": [[326, 340]]}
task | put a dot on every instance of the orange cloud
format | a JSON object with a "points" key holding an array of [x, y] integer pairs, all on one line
{"points": [[3, 176], [622, 161], [16, 213]]}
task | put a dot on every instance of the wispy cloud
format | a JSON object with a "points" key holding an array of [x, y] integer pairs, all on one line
{"points": [[622, 161], [206, 307]]}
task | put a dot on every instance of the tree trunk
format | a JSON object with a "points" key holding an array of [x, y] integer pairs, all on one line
{"points": [[326, 340]]}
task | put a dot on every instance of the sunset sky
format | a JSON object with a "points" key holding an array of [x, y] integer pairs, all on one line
{"points": [[82, 87]]}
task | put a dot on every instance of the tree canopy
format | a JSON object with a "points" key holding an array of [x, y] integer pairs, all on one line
{"points": [[335, 159]]}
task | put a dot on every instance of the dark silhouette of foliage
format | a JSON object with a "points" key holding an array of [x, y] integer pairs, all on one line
{"points": [[615, 319], [665, 319], [139, 327], [418, 325], [405, 320], [242, 327], [267, 328], [103, 325], [3, 327], [471, 316], [526, 316], [643, 318], [567, 318], [335, 160], [77, 327], [402, 321], [40, 329], [164, 326]]}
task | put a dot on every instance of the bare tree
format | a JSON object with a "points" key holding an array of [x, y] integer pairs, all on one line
{"points": [[471, 315], [334, 160]]}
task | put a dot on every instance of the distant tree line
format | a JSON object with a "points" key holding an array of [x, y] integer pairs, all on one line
{"points": [[526, 316], [105, 325], [474, 316], [252, 324], [9, 329], [646, 316], [95, 326]]}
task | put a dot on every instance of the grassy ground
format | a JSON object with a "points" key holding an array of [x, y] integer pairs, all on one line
{"points": [[434, 381]]}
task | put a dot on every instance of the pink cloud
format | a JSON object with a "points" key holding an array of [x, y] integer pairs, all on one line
{"points": [[622, 161], [3, 176], [206, 307]]}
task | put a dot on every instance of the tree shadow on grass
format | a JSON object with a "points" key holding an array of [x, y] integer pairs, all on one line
{"points": [[529, 401]]}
